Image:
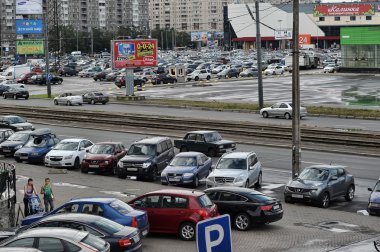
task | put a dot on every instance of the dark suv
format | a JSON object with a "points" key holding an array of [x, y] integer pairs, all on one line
{"points": [[146, 158]]}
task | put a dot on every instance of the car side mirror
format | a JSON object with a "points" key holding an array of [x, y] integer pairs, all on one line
{"points": [[82, 148], [201, 164], [334, 178], [87, 151], [370, 189]]}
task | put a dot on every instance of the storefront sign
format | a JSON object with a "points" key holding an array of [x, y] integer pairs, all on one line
{"points": [[283, 34], [304, 39], [29, 26], [344, 10], [134, 53], [30, 47], [360, 35]]}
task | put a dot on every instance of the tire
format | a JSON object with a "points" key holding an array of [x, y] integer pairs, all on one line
{"points": [[15, 97], [104, 103], [161, 82], [76, 164], [350, 193], [18, 161], [242, 222], [120, 174], [187, 231], [164, 183], [288, 200], [68, 103], [26, 97], [196, 78], [55, 102], [259, 180], [5, 97], [325, 200], [153, 176], [184, 149], [265, 114], [59, 82], [212, 152], [246, 184], [196, 182], [274, 73], [287, 116], [92, 102], [208, 77], [282, 72]]}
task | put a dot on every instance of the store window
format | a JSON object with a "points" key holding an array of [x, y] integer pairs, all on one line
{"points": [[337, 18], [321, 19], [360, 56], [352, 18], [368, 18]]}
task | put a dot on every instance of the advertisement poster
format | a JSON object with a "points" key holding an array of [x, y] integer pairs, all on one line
{"points": [[344, 10], [30, 47], [283, 34], [29, 7], [134, 53], [219, 35], [304, 39], [29, 26], [199, 36]]}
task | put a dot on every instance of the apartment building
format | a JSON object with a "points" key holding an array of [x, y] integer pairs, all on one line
{"points": [[7, 20]]}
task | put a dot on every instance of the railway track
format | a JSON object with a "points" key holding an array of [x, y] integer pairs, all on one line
{"points": [[238, 129]]}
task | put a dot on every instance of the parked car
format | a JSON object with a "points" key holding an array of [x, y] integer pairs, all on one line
{"points": [[207, 142], [110, 208], [14, 142], [68, 153], [111, 76], [120, 81], [228, 73], [86, 73], [37, 147], [163, 79], [274, 70], [121, 238], [16, 93], [246, 207], [175, 211], [24, 77], [241, 169], [18, 249], [187, 168], [66, 70], [199, 75], [68, 99], [4, 88], [249, 72], [321, 184], [218, 69], [17, 123], [147, 75], [103, 157], [100, 75], [57, 239], [331, 68], [95, 97], [40, 79], [281, 109], [374, 200], [5, 134], [146, 158]]}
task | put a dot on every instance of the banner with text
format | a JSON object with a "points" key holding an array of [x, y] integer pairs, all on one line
{"points": [[30, 47], [28, 7], [29, 26], [344, 10], [134, 53]]}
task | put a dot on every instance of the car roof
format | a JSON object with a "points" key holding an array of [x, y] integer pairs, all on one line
{"points": [[18, 249], [111, 143], [105, 200], [202, 132], [9, 116], [326, 167], [237, 154], [42, 131], [188, 154], [65, 233], [152, 140], [73, 140], [85, 218], [5, 129], [177, 192]]}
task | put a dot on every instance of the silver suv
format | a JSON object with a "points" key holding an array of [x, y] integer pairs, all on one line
{"points": [[242, 169]]}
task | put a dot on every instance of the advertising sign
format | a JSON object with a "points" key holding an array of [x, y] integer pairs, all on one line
{"points": [[29, 26], [29, 47], [360, 35], [199, 36], [134, 53], [344, 10], [283, 34], [29, 7], [304, 39], [219, 35]]}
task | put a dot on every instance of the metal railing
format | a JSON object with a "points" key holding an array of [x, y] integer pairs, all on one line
{"points": [[8, 182]]}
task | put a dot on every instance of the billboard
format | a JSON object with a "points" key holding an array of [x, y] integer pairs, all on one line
{"points": [[219, 35], [134, 53], [360, 35], [29, 7], [29, 26], [30, 47], [199, 36], [344, 10], [304, 39], [283, 34]]}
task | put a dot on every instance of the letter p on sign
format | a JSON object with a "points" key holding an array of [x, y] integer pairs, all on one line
{"points": [[214, 235]]}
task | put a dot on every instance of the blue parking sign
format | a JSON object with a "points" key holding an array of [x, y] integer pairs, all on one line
{"points": [[214, 235], [49, 77]]}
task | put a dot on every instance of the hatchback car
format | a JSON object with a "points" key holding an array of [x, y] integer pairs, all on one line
{"points": [[121, 238], [103, 157], [110, 208], [16, 93], [281, 109], [14, 142], [57, 239], [245, 206], [175, 211], [199, 75], [163, 79], [320, 184], [374, 200], [5, 134], [241, 169], [228, 73], [95, 97], [187, 168], [274, 70], [24, 77]]}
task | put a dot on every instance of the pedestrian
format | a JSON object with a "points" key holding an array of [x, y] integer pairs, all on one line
{"points": [[47, 191], [28, 194]]}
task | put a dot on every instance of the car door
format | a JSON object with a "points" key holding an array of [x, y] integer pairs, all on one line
{"points": [[86, 97], [283, 109], [200, 144], [342, 181], [203, 74], [49, 244], [160, 156], [334, 185], [92, 208], [253, 168], [275, 110], [152, 205], [173, 212], [190, 141], [203, 166], [22, 243]]}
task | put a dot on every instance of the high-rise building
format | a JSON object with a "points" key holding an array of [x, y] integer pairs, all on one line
{"points": [[7, 23]]}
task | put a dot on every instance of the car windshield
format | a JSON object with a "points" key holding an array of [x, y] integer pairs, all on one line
{"points": [[142, 150], [213, 137], [16, 119], [102, 149], [121, 207], [98, 94], [107, 225], [232, 163], [377, 187], [314, 174], [184, 161], [67, 146], [19, 136], [205, 201], [37, 142]]}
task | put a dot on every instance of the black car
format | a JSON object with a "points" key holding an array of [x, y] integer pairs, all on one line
{"points": [[245, 206], [16, 93], [15, 123], [15, 142], [163, 79], [146, 158], [120, 81], [5, 134], [120, 238], [40, 79], [66, 70], [228, 73], [95, 97], [100, 76]]}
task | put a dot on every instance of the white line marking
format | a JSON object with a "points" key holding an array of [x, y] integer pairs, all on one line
{"points": [[69, 185]]}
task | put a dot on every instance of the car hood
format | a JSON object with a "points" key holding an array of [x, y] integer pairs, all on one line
{"points": [[23, 125], [136, 158], [305, 184], [180, 169], [31, 219], [227, 173], [61, 153], [98, 156], [375, 197], [11, 143], [32, 149], [221, 142]]}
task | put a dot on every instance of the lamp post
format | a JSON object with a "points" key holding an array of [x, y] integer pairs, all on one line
{"points": [[280, 21]]}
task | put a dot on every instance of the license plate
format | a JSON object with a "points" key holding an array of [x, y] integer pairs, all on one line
{"points": [[22, 157], [275, 207], [94, 166], [298, 196], [6, 150], [145, 232], [54, 163], [132, 169], [174, 179]]}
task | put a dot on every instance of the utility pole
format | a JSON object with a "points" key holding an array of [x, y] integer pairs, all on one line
{"points": [[46, 37], [92, 41], [296, 139], [162, 40], [258, 50]]}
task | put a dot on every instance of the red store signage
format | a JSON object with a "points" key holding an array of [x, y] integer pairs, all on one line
{"points": [[344, 10]]}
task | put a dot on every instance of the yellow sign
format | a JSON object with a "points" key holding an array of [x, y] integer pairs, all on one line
{"points": [[28, 47]]}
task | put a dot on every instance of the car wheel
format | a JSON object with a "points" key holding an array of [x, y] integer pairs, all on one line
{"points": [[18, 161], [196, 78], [59, 82], [5, 97], [15, 97], [274, 73], [104, 103], [164, 183], [55, 102], [77, 163], [350, 193], [282, 72], [187, 231], [161, 82], [259, 180], [287, 116], [196, 182], [325, 200], [153, 176], [246, 184], [84, 170], [184, 149], [265, 114], [288, 200], [242, 222], [208, 77], [92, 102], [26, 97], [68, 103], [120, 174]]}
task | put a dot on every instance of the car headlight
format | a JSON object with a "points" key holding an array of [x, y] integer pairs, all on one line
{"points": [[313, 190], [188, 175], [106, 162], [17, 154], [233, 145], [69, 157], [240, 179], [146, 165], [18, 147], [20, 128], [221, 146], [35, 154], [47, 157], [120, 164]]}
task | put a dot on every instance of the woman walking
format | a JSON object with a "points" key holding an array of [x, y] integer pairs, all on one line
{"points": [[28, 194], [47, 191]]}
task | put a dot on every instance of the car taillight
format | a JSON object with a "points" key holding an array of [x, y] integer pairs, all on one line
{"points": [[203, 213], [134, 222], [89, 247], [125, 243], [266, 208]]}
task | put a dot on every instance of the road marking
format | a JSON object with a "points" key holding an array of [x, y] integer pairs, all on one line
{"points": [[121, 194], [272, 186], [277, 170], [316, 163], [62, 184], [20, 177]]}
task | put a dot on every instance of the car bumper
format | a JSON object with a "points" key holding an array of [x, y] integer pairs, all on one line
{"points": [[7, 152], [302, 197], [374, 210], [30, 159], [138, 172], [144, 230], [63, 163], [178, 180], [210, 183], [97, 167]]}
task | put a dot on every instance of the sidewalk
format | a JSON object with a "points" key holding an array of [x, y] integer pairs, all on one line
{"points": [[363, 246]]}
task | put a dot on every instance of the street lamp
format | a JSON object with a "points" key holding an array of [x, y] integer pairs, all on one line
{"points": [[280, 21]]}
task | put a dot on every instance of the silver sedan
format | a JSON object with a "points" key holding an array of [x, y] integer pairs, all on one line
{"points": [[281, 109]]}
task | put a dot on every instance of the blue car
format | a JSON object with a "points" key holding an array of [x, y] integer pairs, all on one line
{"points": [[41, 142], [374, 200], [187, 168], [110, 208]]}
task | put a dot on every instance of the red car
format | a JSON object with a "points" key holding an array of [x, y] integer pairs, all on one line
{"points": [[24, 77], [103, 157], [175, 211]]}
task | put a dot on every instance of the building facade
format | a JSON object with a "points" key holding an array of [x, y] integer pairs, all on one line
{"points": [[7, 24]]}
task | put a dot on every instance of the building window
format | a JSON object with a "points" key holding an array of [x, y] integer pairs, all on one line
{"points": [[337, 18], [352, 18], [368, 18], [321, 18]]}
